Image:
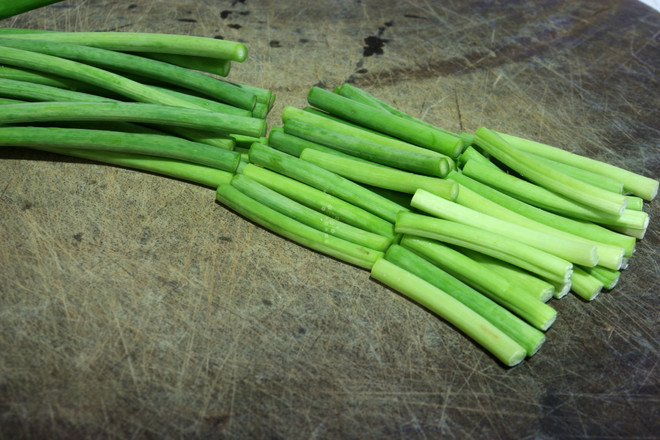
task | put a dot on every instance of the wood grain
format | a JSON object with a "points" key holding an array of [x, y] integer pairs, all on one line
{"points": [[133, 305]]}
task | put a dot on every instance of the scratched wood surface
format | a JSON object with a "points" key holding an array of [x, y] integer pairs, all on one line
{"points": [[135, 306]]}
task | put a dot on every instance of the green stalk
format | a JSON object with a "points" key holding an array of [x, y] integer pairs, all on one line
{"points": [[294, 230], [548, 200], [459, 315], [584, 285], [634, 183], [290, 144], [105, 80], [524, 334], [536, 287], [606, 254], [324, 180], [308, 216], [512, 251], [497, 288], [137, 65], [553, 180], [586, 176], [140, 143], [144, 42], [47, 79], [86, 74], [4, 101], [9, 8], [472, 154], [394, 157], [575, 251], [562, 289], [314, 118], [204, 103], [382, 121], [608, 277], [576, 227], [320, 201], [216, 66], [203, 175], [28, 91], [355, 93], [380, 175], [132, 112]]}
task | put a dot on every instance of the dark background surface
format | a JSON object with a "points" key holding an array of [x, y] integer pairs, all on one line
{"points": [[135, 306]]}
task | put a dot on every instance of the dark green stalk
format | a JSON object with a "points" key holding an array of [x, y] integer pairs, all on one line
{"points": [[132, 112], [380, 175], [29, 91], [201, 174], [143, 42], [9, 8], [137, 65], [139, 143], [318, 119], [385, 155], [410, 131], [355, 93], [220, 67]]}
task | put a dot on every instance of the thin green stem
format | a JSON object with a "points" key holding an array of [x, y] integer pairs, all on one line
{"points": [[324, 180], [537, 313], [579, 228], [414, 162], [294, 230], [549, 178], [203, 175], [458, 314], [15, 7], [320, 200], [542, 263], [316, 118], [634, 183], [380, 175], [607, 255], [585, 285], [524, 334], [140, 143], [530, 283], [308, 216], [385, 122], [608, 277], [137, 65], [548, 200], [203, 120], [144, 42], [575, 251]]}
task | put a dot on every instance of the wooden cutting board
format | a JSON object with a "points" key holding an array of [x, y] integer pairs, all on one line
{"points": [[133, 305]]}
